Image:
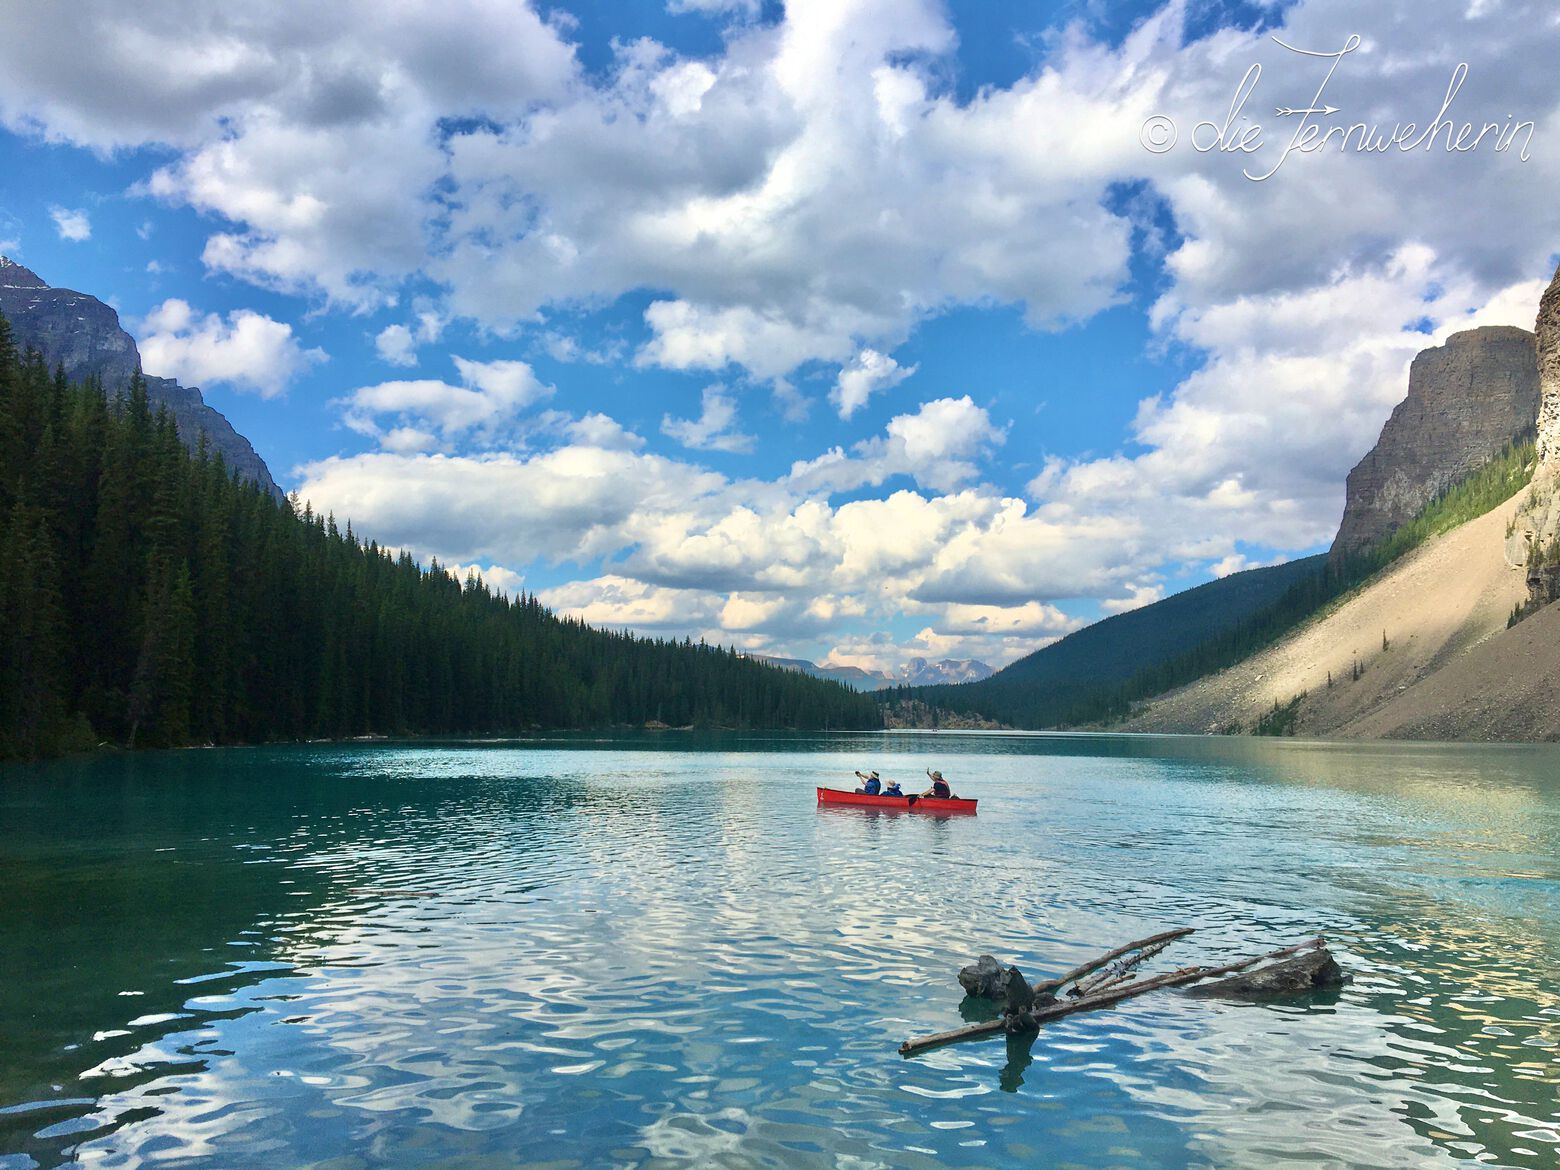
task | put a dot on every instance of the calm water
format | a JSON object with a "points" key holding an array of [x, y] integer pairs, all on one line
{"points": [[659, 952]]}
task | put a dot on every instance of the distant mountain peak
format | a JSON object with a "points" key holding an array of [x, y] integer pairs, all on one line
{"points": [[915, 672], [921, 672], [14, 275]]}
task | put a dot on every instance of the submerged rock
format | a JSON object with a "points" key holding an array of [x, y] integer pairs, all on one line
{"points": [[1311, 971]]}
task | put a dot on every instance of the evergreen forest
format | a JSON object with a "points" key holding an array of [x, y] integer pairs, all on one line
{"points": [[149, 598]]}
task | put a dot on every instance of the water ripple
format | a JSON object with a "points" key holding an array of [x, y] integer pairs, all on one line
{"points": [[564, 954]]}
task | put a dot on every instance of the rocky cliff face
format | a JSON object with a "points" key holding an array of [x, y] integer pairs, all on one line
{"points": [[1466, 400], [1548, 329], [1536, 530], [83, 334]]}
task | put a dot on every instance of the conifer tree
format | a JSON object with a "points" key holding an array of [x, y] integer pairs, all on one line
{"points": [[32, 634]]}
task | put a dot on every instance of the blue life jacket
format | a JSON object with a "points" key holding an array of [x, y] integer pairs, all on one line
{"points": [[893, 790], [872, 787]]}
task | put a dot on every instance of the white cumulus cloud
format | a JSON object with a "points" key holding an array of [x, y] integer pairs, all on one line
{"points": [[938, 445], [867, 373], [245, 350], [396, 345], [716, 427], [790, 205], [311, 134], [1254, 446], [413, 415], [758, 562], [72, 225]]}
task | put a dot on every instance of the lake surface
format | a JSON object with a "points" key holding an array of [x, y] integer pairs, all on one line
{"points": [[657, 951]]}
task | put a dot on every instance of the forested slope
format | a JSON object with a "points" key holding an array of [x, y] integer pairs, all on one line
{"points": [[1081, 676], [1420, 651], [1099, 673], [149, 598]]}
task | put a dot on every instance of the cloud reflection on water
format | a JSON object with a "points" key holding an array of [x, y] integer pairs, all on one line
{"points": [[671, 958]]}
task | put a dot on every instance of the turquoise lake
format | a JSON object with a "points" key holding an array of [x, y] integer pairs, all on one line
{"points": [[658, 951]]}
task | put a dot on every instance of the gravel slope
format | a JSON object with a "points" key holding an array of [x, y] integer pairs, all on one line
{"points": [[1451, 670]]}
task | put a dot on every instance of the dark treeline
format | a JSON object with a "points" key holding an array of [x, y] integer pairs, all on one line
{"points": [[1014, 703], [149, 598]]}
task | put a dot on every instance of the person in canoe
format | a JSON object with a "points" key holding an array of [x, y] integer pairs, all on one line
{"points": [[939, 789], [870, 784], [892, 789]]}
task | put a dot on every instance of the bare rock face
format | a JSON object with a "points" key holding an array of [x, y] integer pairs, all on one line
{"points": [[1466, 400], [1537, 526], [1548, 329], [83, 334]]}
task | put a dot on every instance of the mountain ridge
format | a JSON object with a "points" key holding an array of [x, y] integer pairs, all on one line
{"points": [[1466, 401], [79, 332], [1450, 446], [1433, 644], [1353, 671], [1090, 665], [916, 672], [1533, 542]]}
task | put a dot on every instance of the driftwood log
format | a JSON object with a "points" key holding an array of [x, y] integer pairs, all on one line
{"points": [[1118, 972], [1114, 986], [1312, 970], [1095, 964], [986, 978]]}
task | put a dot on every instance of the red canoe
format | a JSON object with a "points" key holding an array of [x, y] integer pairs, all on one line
{"points": [[925, 804]]}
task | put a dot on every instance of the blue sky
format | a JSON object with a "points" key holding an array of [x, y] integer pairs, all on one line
{"points": [[855, 331]]}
